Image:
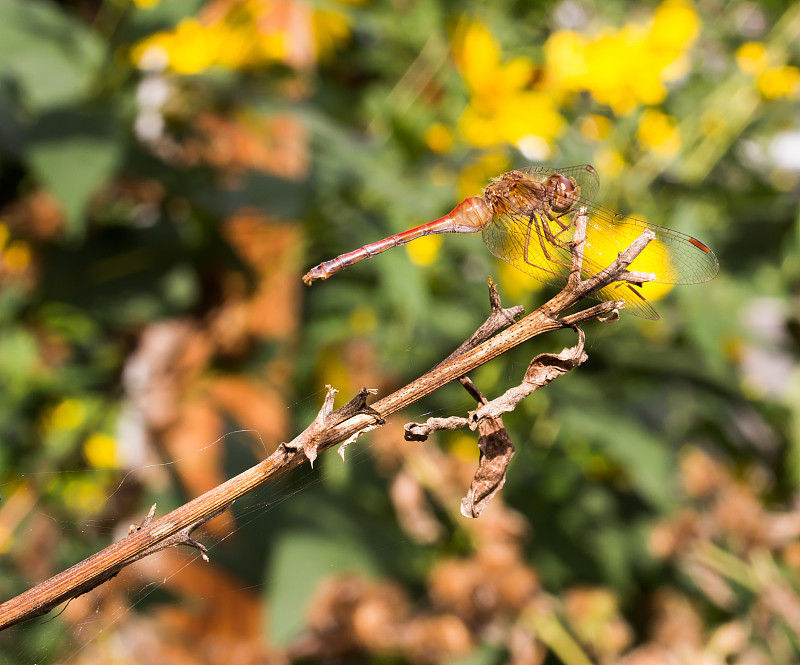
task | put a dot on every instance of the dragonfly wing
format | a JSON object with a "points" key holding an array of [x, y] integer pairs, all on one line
{"points": [[674, 257], [519, 239], [635, 302]]}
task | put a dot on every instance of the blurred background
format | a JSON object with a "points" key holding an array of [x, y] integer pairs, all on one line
{"points": [[169, 170]]}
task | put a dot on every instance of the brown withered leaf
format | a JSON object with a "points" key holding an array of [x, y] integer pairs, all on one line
{"points": [[254, 405], [675, 622], [413, 510], [269, 309], [496, 453], [225, 624], [701, 474], [38, 214], [192, 444], [276, 145], [741, 516], [483, 588], [351, 613], [309, 439], [436, 639]]}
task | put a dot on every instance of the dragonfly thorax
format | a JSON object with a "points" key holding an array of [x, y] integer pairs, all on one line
{"points": [[518, 193]]}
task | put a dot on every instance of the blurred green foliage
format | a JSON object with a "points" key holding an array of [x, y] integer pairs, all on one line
{"points": [[168, 171]]}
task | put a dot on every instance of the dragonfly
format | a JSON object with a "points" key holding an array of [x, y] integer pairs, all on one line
{"points": [[527, 218]]}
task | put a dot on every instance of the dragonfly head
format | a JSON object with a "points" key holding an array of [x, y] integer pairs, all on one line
{"points": [[563, 192]]}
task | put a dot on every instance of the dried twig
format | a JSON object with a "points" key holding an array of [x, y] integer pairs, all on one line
{"points": [[543, 369], [496, 448], [329, 429]]}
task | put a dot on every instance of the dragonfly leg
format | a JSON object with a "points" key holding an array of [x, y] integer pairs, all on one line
{"points": [[542, 232], [555, 237], [557, 220]]}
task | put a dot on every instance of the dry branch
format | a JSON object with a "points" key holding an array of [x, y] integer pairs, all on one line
{"points": [[335, 427]]}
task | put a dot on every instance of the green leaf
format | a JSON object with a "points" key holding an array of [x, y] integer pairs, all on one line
{"points": [[52, 57], [72, 155], [301, 560], [641, 454], [484, 654], [19, 360]]}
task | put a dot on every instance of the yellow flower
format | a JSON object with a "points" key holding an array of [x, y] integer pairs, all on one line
{"points": [[190, 48], [438, 137], [146, 4], [503, 107], [330, 30], [779, 82], [565, 52], [68, 414], [675, 24], [658, 133], [627, 67], [772, 82], [603, 248], [463, 445], [477, 54], [17, 257], [363, 320], [100, 451], [752, 58], [609, 162], [423, 251], [194, 47], [595, 127], [515, 283], [247, 33], [83, 495]]}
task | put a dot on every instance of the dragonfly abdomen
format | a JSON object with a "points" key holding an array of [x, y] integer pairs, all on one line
{"points": [[469, 216]]}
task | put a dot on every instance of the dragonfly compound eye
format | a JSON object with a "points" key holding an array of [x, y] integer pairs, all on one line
{"points": [[564, 193]]}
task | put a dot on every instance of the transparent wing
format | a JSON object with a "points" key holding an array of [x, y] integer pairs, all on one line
{"points": [[674, 257], [538, 247], [635, 302]]}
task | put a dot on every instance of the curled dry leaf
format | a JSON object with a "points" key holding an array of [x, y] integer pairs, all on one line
{"points": [[340, 450], [543, 369], [496, 453], [494, 443]]}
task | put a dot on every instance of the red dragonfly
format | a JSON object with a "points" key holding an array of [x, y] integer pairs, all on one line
{"points": [[527, 218]]}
